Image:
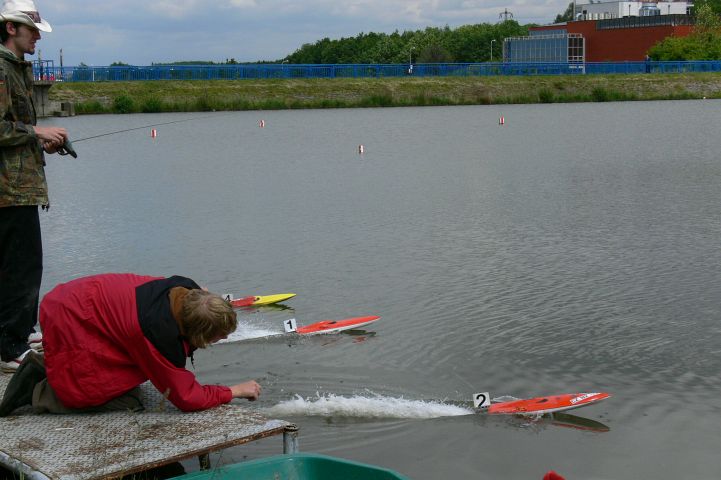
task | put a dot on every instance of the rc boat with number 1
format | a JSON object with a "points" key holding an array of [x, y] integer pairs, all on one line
{"points": [[329, 326]]}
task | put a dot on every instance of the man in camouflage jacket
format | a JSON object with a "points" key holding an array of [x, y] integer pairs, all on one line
{"points": [[22, 180]]}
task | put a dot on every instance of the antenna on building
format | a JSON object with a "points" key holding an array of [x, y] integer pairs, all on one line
{"points": [[505, 15]]}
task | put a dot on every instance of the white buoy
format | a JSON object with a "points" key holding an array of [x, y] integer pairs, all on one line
{"points": [[501, 121], [153, 133], [361, 149], [261, 124]]}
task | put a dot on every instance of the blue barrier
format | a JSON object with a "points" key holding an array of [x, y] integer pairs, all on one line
{"points": [[287, 71]]}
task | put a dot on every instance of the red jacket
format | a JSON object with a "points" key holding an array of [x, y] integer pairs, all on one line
{"points": [[103, 335]]}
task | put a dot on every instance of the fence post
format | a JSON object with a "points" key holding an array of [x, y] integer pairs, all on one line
{"points": [[290, 439]]}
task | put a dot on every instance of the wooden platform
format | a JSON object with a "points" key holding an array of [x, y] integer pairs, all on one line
{"points": [[105, 445]]}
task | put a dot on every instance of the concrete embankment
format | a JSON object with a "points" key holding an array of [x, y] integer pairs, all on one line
{"points": [[178, 96]]}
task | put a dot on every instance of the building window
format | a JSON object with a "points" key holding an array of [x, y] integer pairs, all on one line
{"points": [[559, 48]]}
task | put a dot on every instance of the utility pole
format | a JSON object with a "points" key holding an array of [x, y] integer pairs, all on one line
{"points": [[506, 15]]}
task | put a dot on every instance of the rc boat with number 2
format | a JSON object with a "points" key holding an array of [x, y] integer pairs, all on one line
{"points": [[550, 404]]}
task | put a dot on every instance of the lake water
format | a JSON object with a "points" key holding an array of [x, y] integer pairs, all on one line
{"points": [[574, 249]]}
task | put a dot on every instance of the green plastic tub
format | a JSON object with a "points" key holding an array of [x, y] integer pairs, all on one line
{"points": [[298, 466]]}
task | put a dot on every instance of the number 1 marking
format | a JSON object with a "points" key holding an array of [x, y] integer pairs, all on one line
{"points": [[290, 325]]}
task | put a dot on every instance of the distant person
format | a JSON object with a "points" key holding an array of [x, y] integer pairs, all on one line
{"points": [[22, 182], [106, 334]]}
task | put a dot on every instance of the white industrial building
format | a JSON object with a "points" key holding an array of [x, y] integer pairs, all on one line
{"points": [[604, 10]]}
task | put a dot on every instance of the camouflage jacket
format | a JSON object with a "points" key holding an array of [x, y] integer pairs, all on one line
{"points": [[22, 173]]}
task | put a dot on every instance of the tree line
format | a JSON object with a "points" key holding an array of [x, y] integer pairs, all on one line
{"points": [[468, 43]]}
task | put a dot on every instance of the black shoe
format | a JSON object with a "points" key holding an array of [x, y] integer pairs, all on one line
{"points": [[19, 391]]}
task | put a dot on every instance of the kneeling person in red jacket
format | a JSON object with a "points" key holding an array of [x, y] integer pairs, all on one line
{"points": [[105, 335]]}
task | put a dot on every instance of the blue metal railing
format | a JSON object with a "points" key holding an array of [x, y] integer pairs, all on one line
{"points": [[286, 71]]}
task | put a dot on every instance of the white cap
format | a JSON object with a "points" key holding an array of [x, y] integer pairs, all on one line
{"points": [[25, 12]]}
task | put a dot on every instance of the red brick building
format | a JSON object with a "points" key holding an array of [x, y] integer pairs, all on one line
{"points": [[621, 39]]}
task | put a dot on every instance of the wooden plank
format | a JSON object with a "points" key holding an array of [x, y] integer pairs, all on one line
{"points": [[106, 445]]}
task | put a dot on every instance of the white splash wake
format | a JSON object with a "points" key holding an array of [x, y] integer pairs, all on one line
{"points": [[372, 406], [249, 332]]}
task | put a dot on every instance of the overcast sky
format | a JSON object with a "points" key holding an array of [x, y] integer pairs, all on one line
{"points": [[141, 32]]}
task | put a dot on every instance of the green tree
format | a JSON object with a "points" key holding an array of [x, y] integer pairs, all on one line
{"points": [[715, 6], [388, 49], [434, 53], [566, 16], [469, 43], [472, 43], [704, 43], [707, 19], [431, 45]]}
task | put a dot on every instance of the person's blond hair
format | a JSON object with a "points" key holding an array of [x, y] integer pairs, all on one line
{"points": [[206, 317]]}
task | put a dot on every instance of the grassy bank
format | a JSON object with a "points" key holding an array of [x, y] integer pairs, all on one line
{"points": [[185, 96]]}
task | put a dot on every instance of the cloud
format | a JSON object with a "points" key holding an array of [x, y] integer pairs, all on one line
{"points": [[172, 8], [243, 3], [141, 31]]}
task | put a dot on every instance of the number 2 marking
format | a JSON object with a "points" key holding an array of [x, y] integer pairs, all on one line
{"points": [[482, 400]]}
